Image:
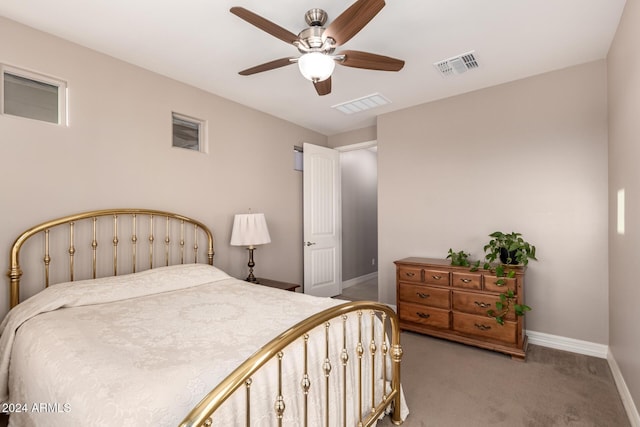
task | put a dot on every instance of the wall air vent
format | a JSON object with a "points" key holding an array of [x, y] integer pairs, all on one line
{"points": [[457, 65], [365, 103]]}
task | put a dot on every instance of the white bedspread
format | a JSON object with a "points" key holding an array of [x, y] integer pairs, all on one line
{"points": [[144, 349]]}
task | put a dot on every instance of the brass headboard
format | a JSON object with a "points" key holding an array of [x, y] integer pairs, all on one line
{"points": [[173, 225]]}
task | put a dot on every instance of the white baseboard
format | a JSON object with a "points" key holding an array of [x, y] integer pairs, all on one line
{"points": [[357, 280], [625, 394], [568, 344], [591, 349]]}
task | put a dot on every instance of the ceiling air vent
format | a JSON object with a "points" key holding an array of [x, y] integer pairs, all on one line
{"points": [[457, 65], [365, 103]]}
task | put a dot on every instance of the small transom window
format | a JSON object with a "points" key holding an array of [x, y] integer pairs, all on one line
{"points": [[33, 96], [188, 132]]}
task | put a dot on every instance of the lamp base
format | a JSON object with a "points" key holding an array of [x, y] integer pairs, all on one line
{"points": [[251, 278]]}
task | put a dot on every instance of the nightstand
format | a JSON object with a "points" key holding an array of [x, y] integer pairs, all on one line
{"points": [[277, 284]]}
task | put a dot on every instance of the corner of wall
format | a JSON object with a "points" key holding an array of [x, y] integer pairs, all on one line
{"points": [[625, 394]]}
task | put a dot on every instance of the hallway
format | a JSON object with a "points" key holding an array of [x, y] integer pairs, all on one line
{"points": [[365, 291]]}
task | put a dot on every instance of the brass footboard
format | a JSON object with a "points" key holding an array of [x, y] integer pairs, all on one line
{"points": [[373, 351]]}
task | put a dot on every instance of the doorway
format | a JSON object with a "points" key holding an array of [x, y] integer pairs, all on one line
{"points": [[359, 182]]}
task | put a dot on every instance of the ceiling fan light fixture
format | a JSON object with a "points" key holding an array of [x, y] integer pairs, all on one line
{"points": [[317, 44], [316, 66]]}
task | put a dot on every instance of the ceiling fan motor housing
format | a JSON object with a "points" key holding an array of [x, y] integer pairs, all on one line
{"points": [[311, 40], [316, 17]]}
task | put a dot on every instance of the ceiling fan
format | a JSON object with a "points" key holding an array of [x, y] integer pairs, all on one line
{"points": [[317, 43]]}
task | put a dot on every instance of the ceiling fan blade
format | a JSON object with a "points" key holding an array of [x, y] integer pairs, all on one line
{"points": [[323, 87], [267, 66], [352, 20], [370, 61], [264, 24]]}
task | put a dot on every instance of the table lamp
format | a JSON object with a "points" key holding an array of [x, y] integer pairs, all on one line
{"points": [[250, 230]]}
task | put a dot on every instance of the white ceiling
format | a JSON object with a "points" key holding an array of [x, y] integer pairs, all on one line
{"points": [[201, 43]]}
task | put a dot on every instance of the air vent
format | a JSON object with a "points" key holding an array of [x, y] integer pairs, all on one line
{"points": [[457, 65], [361, 104]]}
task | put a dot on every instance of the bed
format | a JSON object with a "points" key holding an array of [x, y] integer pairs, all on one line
{"points": [[148, 332]]}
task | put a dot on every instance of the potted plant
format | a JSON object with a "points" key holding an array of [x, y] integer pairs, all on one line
{"points": [[509, 248]]}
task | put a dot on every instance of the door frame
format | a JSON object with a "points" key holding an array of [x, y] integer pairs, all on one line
{"points": [[358, 146]]}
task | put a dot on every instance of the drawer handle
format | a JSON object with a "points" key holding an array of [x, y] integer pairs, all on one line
{"points": [[482, 327], [482, 304], [435, 276], [410, 274], [466, 280], [421, 295], [423, 315]]}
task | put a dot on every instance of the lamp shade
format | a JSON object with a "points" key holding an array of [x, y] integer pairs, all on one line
{"points": [[316, 66], [249, 230]]}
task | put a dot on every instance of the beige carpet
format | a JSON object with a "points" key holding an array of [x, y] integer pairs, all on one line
{"points": [[365, 291], [449, 384]]}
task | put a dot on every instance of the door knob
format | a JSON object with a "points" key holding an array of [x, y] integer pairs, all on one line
{"points": [[309, 243]]}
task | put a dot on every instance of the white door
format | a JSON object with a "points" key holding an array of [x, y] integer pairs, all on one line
{"points": [[322, 221]]}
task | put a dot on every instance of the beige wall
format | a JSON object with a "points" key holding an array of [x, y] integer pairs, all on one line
{"points": [[527, 156], [353, 137], [624, 153], [117, 152]]}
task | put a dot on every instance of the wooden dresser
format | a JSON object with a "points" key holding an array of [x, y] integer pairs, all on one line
{"points": [[437, 299]]}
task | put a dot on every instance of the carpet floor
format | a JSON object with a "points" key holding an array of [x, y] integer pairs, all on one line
{"points": [[450, 384]]}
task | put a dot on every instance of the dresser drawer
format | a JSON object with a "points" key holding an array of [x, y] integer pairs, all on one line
{"points": [[484, 327], [467, 280], [436, 277], [476, 303], [427, 295], [424, 315], [490, 284], [410, 274]]}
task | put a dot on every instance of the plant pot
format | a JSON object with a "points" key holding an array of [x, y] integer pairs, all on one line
{"points": [[505, 255]]}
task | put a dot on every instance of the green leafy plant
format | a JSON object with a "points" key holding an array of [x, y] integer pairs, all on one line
{"points": [[507, 299], [509, 248], [459, 259]]}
